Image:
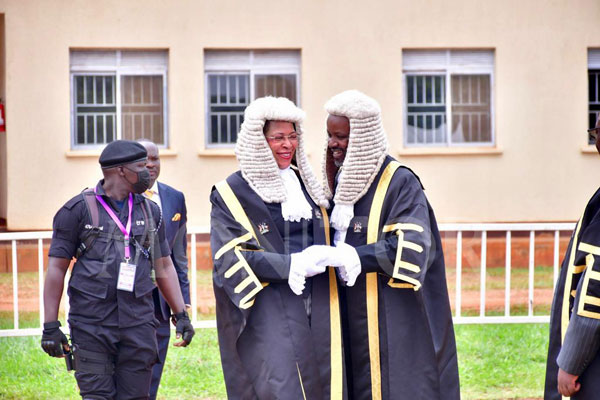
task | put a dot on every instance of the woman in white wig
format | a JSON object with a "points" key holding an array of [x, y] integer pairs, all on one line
{"points": [[277, 312]]}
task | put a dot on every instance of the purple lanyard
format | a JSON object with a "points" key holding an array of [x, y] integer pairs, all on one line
{"points": [[124, 229]]}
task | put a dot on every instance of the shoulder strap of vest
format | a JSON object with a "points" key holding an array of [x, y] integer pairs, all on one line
{"points": [[92, 205], [89, 236]]}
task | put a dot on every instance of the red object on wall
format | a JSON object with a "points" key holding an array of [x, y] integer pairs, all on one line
{"points": [[2, 118]]}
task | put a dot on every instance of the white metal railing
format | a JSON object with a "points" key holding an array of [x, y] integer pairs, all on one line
{"points": [[458, 228], [508, 228]]}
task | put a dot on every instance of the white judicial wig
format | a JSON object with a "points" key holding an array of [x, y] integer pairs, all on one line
{"points": [[256, 159], [367, 148]]}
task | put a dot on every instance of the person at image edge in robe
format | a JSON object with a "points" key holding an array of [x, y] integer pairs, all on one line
{"points": [[172, 205], [277, 312], [573, 365], [398, 333], [118, 240]]}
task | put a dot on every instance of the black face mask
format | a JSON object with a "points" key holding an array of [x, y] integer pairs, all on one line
{"points": [[143, 181]]}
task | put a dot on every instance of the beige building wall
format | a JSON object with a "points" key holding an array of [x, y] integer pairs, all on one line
{"points": [[540, 170], [3, 150]]}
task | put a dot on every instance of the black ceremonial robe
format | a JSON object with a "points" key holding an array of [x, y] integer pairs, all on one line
{"points": [[269, 347], [575, 316], [398, 331]]}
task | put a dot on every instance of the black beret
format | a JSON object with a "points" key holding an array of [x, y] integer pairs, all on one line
{"points": [[122, 152]]}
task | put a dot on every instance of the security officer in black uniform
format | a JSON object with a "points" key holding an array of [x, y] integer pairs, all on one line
{"points": [[118, 238]]}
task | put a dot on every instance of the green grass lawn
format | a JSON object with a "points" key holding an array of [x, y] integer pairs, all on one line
{"points": [[495, 362]]}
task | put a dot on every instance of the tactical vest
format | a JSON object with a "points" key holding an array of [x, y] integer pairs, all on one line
{"points": [[93, 295]]}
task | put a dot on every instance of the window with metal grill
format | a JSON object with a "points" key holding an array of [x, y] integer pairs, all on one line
{"points": [[235, 78], [448, 97], [118, 95]]}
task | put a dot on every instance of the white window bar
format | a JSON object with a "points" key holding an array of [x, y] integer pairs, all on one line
{"points": [[15, 286], [483, 268], [531, 269], [508, 264], [41, 279], [458, 272], [194, 295], [556, 254]]}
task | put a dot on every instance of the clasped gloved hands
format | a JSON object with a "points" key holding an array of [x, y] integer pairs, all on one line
{"points": [[54, 341], [315, 259]]}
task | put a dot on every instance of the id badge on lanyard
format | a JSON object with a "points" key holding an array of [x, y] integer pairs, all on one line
{"points": [[127, 270], [126, 276]]}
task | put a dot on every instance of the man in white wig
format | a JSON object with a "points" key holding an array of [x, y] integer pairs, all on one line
{"points": [[398, 333], [278, 311]]}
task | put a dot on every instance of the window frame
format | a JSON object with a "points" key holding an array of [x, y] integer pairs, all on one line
{"points": [[593, 63], [252, 70], [448, 70], [117, 71]]}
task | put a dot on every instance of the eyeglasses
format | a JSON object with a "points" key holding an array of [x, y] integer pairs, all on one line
{"points": [[593, 133], [279, 139]]}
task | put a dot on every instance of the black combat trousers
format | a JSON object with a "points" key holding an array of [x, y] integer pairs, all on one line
{"points": [[112, 362]]}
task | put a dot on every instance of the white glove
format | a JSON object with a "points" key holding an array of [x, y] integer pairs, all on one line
{"points": [[297, 276], [350, 268], [319, 257], [310, 262]]}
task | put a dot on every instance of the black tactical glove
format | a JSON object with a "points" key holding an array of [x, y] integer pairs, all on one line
{"points": [[183, 326], [53, 339]]}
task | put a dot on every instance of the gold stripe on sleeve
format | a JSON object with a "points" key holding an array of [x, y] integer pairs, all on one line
{"points": [[237, 211], [577, 269], [589, 248], [584, 298], [403, 227], [231, 244], [372, 289]]}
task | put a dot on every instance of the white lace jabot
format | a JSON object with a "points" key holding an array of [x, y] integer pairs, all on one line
{"points": [[296, 206]]}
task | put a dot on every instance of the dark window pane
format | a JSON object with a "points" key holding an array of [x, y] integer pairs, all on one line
{"points": [[79, 89], [99, 90], [89, 89], [100, 129], [428, 89], [110, 128], [214, 129], [228, 100], [222, 89], [233, 128], [425, 109], [439, 89], [89, 128], [212, 87], [109, 90], [80, 129], [223, 129], [243, 89], [232, 89]]}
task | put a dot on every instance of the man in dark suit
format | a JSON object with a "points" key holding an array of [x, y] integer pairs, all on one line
{"points": [[172, 205]]}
